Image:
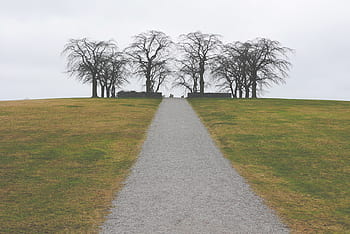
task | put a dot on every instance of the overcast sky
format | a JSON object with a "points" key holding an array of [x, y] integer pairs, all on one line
{"points": [[33, 33]]}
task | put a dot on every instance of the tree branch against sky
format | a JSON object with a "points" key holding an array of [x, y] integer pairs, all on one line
{"points": [[33, 34], [85, 57], [187, 73], [268, 62], [150, 52], [238, 67], [201, 47], [114, 73], [247, 65]]}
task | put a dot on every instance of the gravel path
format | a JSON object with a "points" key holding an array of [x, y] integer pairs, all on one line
{"points": [[182, 184]]}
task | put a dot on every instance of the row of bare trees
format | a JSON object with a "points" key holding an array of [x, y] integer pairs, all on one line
{"points": [[193, 63]]}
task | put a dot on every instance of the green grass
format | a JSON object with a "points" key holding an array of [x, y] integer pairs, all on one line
{"points": [[294, 153], [62, 161]]}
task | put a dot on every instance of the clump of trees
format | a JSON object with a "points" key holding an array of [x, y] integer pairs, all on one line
{"points": [[245, 68], [96, 62], [194, 62]]}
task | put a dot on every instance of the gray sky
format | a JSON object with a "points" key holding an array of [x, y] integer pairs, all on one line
{"points": [[33, 33]]}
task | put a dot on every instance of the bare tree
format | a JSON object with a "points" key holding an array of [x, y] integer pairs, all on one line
{"points": [[230, 69], [84, 59], [149, 52], [242, 52], [113, 73], [244, 66], [187, 75], [268, 62], [224, 71], [159, 74], [201, 47]]}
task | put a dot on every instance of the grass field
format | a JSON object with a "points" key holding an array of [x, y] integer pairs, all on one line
{"points": [[62, 161], [294, 153]]}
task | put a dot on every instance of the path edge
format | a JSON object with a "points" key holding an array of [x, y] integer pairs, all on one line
{"points": [[280, 217]]}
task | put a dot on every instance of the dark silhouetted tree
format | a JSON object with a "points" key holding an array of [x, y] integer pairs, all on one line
{"points": [[242, 67], [199, 47], [149, 55], [159, 74], [187, 74], [268, 62], [113, 73], [84, 59]]}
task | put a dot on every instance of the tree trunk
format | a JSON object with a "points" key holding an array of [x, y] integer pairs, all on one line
{"points": [[254, 84], [94, 87], [254, 89], [240, 93], [232, 92], [201, 84], [236, 89], [247, 92], [108, 92], [148, 78], [102, 91], [113, 92], [158, 87], [148, 85], [201, 78]]}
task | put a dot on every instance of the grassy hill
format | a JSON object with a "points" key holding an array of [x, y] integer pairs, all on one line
{"points": [[294, 153], [62, 160]]}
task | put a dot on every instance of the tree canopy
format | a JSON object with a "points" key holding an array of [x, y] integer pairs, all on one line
{"points": [[194, 62]]}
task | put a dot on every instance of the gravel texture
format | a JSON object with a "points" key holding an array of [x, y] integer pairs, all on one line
{"points": [[181, 183]]}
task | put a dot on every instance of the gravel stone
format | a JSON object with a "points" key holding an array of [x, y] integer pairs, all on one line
{"points": [[181, 183]]}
